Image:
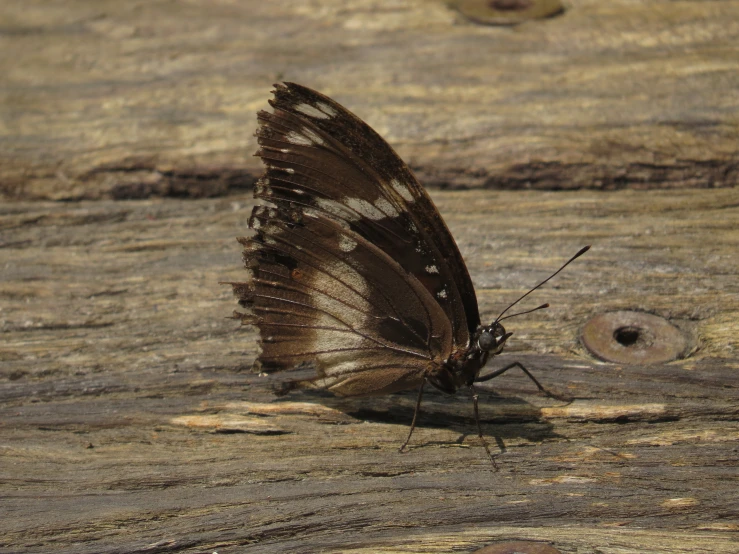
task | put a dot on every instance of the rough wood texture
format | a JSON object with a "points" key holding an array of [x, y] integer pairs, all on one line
{"points": [[103, 98], [129, 421]]}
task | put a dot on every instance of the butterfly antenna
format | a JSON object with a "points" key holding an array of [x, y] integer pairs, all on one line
{"points": [[543, 306], [568, 262]]}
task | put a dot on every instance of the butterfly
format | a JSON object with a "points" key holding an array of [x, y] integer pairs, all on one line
{"points": [[350, 267]]}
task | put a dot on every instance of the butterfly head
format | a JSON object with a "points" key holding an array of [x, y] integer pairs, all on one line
{"points": [[491, 338]]}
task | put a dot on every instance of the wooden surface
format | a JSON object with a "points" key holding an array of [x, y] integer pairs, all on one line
{"points": [[129, 421], [109, 99]]}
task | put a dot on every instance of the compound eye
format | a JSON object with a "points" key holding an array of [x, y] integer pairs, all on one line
{"points": [[486, 341]]}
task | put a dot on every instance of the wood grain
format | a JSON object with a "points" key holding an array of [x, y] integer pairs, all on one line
{"points": [[108, 99], [129, 421]]}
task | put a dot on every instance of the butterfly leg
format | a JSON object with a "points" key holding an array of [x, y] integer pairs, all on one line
{"points": [[415, 417], [519, 365], [475, 397]]}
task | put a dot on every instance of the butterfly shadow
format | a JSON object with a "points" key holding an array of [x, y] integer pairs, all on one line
{"points": [[503, 416]]}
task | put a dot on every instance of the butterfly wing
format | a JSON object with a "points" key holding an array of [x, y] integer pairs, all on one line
{"points": [[322, 294], [320, 156]]}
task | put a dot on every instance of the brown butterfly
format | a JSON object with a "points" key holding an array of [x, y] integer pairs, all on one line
{"points": [[351, 268]]}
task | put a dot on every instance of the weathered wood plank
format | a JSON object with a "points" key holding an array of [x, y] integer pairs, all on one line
{"points": [[129, 421], [104, 99]]}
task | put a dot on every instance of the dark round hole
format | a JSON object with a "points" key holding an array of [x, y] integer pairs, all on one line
{"points": [[627, 336], [510, 5]]}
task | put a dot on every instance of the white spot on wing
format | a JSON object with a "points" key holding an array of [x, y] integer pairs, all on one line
{"points": [[295, 138], [365, 209], [288, 170], [346, 244], [402, 189], [336, 208], [312, 136], [325, 108], [310, 111], [441, 293], [386, 207], [432, 269]]}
